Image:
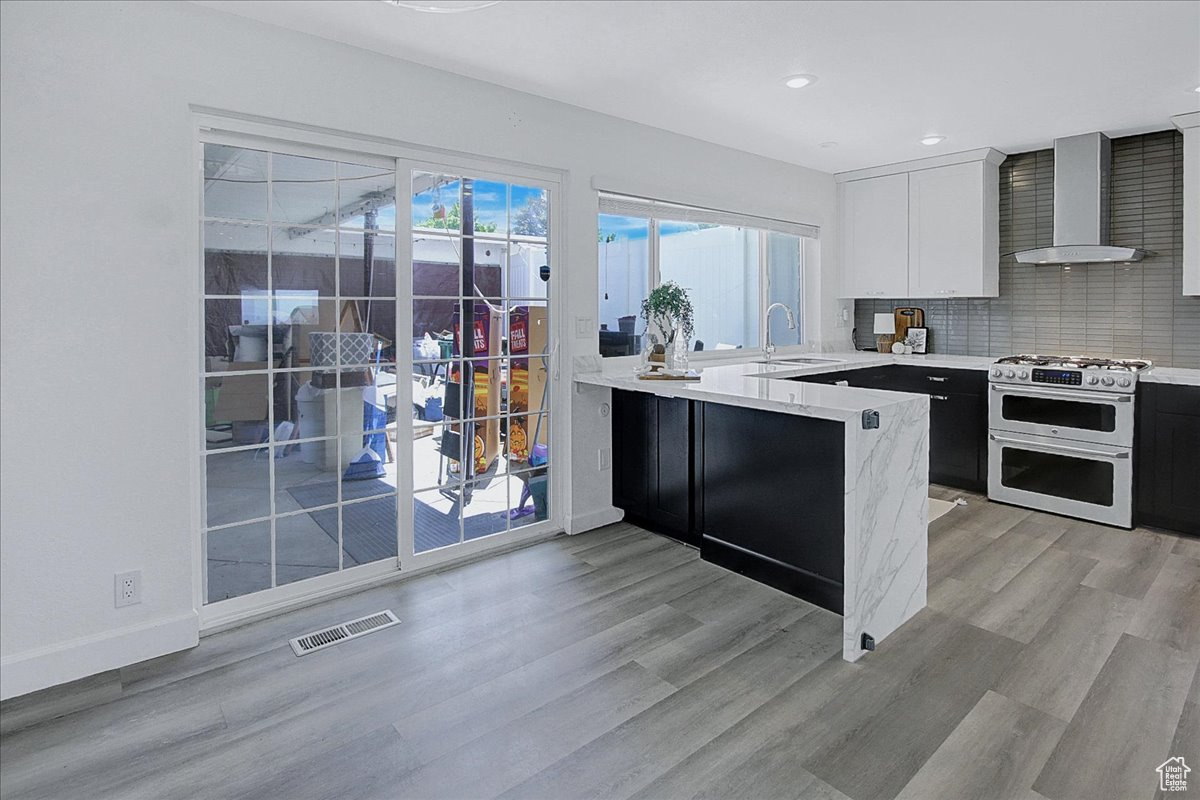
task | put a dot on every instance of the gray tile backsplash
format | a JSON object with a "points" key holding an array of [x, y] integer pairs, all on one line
{"points": [[1112, 310]]}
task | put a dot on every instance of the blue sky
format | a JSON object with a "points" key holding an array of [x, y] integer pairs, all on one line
{"points": [[490, 201], [638, 228]]}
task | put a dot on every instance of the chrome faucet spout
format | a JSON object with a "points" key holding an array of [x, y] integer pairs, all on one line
{"points": [[769, 347]]}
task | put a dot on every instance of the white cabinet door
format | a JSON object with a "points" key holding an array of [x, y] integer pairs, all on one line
{"points": [[953, 235], [874, 217]]}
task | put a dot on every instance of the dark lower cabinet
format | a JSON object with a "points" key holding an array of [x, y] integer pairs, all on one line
{"points": [[958, 440], [771, 497], [652, 467], [958, 415], [759, 493], [1167, 457]]}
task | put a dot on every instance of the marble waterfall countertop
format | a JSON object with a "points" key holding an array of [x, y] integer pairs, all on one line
{"points": [[763, 386], [721, 375], [886, 482]]}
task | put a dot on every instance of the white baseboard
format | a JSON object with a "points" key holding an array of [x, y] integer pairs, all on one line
{"points": [[79, 658], [594, 519]]}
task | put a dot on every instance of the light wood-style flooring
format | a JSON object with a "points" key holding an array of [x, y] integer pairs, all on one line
{"points": [[1057, 659]]}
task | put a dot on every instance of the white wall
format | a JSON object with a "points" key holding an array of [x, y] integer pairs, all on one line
{"points": [[99, 282]]}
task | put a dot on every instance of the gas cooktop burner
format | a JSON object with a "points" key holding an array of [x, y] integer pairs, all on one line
{"points": [[1076, 362]]}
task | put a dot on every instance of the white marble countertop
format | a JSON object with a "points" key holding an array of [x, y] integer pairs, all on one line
{"points": [[726, 381], [748, 385], [1180, 376]]}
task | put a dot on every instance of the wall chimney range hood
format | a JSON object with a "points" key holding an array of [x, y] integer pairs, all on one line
{"points": [[1081, 213]]}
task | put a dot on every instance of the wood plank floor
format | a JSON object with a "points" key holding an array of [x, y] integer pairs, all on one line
{"points": [[1057, 659]]}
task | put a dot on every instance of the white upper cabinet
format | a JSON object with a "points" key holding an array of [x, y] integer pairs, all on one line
{"points": [[874, 222], [1190, 125], [923, 229], [954, 231]]}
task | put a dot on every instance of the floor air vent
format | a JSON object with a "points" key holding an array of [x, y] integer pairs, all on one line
{"points": [[327, 637]]}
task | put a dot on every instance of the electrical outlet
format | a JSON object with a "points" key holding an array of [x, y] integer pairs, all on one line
{"points": [[127, 588], [605, 458]]}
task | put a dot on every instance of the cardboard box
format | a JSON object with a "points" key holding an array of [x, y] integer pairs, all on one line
{"points": [[488, 328], [238, 398], [528, 338]]}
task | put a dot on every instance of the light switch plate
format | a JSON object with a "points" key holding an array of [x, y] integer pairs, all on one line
{"points": [[583, 327], [605, 458]]}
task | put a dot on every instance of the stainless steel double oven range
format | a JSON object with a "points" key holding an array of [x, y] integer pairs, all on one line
{"points": [[1060, 435]]}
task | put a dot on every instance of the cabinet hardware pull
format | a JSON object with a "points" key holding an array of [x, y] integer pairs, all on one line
{"points": [[940, 396], [1059, 447], [936, 379]]}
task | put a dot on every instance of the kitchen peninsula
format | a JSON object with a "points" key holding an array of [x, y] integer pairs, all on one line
{"points": [[818, 490]]}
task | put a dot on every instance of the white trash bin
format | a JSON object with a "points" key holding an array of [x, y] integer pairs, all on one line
{"points": [[312, 422]]}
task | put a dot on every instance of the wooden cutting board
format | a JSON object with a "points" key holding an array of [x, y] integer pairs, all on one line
{"points": [[908, 318]]}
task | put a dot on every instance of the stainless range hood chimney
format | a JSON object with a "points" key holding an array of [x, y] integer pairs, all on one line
{"points": [[1081, 176]]}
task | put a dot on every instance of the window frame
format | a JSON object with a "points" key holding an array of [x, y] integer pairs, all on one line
{"points": [[655, 211]]}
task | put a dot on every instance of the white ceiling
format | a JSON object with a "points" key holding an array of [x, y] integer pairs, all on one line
{"points": [[1010, 75]]}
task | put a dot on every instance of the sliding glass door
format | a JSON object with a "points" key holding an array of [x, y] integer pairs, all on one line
{"points": [[481, 375], [299, 359], [369, 402]]}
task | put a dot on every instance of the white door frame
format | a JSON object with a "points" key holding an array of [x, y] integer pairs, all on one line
{"points": [[211, 125]]}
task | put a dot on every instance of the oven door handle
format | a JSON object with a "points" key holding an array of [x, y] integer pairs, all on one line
{"points": [[1061, 447], [1082, 396]]}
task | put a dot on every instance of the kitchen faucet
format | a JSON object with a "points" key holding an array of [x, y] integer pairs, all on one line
{"points": [[769, 347]]}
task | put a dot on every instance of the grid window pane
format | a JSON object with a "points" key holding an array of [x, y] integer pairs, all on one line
{"points": [[436, 521], [306, 475], [367, 197], [437, 202], [235, 182], [366, 264], [528, 497], [436, 266], [491, 207], [235, 258], [369, 530], [304, 548], [238, 485], [238, 560], [487, 513], [236, 408], [302, 260], [303, 190], [530, 212], [528, 266]]}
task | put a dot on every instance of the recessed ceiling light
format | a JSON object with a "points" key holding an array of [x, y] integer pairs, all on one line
{"points": [[799, 81], [828, 144], [443, 6], [1197, 89], [930, 141]]}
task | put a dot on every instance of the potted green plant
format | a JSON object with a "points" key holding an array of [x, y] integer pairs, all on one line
{"points": [[669, 310]]}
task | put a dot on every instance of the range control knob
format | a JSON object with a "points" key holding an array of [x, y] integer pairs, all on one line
{"points": [[1125, 382], [1023, 374], [997, 372], [1107, 380], [1009, 373], [1093, 380]]}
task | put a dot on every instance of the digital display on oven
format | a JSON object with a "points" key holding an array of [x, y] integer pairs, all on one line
{"points": [[1064, 377]]}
